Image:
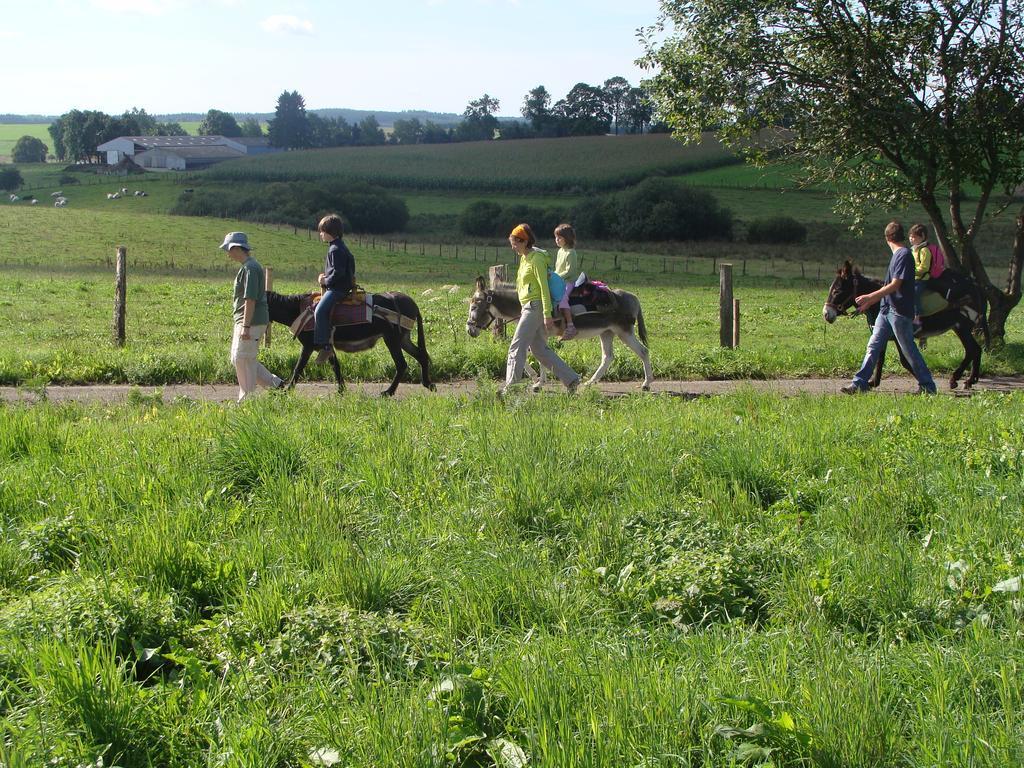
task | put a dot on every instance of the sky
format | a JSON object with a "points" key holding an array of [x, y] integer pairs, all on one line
{"points": [[169, 56]]}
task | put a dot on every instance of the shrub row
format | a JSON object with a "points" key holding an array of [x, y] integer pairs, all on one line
{"points": [[656, 209], [776, 230], [299, 203]]}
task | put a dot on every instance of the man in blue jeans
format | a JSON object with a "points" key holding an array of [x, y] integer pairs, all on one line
{"points": [[895, 316]]}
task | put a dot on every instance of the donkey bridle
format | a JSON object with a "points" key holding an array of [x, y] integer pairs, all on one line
{"points": [[490, 315]]}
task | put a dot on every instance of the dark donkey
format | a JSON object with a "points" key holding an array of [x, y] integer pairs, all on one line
{"points": [[960, 316], [360, 337]]}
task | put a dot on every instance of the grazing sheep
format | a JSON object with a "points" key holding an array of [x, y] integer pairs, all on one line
{"points": [[58, 193], [60, 202], [124, 190], [33, 201], [15, 198], [139, 193]]}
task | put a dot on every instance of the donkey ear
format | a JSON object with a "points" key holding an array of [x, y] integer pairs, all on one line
{"points": [[480, 282]]}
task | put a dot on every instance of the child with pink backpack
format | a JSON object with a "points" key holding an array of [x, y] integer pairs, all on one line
{"points": [[929, 263]]}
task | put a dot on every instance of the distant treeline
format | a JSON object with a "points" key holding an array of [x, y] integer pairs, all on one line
{"points": [[586, 110]]}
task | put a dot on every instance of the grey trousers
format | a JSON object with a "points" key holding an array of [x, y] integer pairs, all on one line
{"points": [[530, 336]]}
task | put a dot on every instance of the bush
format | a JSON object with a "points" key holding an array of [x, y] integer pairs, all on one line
{"points": [[486, 219], [300, 203], [659, 209], [480, 218], [776, 230], [29, 149], [10, 179]]}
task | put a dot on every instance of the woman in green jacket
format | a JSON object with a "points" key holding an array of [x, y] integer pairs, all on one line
{"points": [[535, 320]]}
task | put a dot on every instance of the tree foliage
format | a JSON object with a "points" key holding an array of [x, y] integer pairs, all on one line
{"points": [[10, 179], [889, 101], [217, 123], [290, 127], [251, 128], [29, 149]]}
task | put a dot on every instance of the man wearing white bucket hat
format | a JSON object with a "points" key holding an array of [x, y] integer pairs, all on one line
{"points": [[251, 317]]}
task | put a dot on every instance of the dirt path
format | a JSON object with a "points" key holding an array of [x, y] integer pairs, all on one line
{"points": [[114, 393]]}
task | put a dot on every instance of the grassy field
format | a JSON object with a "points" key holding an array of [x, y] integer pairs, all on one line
{"points": [[532, 166], [647, 582], [55, 319], [11, 132]]}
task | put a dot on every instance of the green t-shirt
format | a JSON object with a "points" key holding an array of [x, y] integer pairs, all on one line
{"points": [[251, 283]]}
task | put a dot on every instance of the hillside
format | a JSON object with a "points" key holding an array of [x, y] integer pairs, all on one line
{"points": [[554, 165]]}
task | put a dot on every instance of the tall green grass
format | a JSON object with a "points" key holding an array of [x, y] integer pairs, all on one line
{"points": [[743, 580]]}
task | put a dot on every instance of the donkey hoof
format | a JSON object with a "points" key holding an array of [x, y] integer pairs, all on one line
{"points": [[952, 383], [645, 388], [535, 387]]}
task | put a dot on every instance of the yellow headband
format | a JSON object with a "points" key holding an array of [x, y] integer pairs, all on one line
{"points": [[521, 233]]}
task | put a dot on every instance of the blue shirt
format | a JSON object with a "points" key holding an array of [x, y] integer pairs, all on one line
{"points": [[901, 266]]}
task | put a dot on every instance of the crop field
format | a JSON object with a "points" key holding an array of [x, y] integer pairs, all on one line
{"points": [[55, 317], [738, 581], [534, 165]]}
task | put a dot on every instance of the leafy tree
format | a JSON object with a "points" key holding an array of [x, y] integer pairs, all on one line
{"points": [[637, 110], [217, 123], [29, 149], [435, 134], [10, 179], [583, 110], [137, 122], [478, 120], [290, 127], [615, 91], [370, 133], [892, 102], [537, 108], [251, 128], [170, 129], [56, 131], [407, 131]]}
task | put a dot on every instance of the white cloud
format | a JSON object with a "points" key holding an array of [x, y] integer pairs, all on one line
{"points": [[287, 24]]}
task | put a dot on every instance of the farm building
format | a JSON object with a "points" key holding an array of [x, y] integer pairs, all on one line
{"points": [[181, 152]]}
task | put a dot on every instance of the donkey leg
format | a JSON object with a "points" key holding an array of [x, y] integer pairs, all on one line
{"points": [[607, 356], [421, 357], [537, 380], [300, 365], [337, 374], [876, 378], [972, 357], [631, 341], [394, 345]]}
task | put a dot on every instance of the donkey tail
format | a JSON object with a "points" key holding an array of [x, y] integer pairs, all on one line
{"points": [[641, 328], [420, 339]]}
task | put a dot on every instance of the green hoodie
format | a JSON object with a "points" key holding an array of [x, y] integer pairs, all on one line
{"points": [[532, 280]]}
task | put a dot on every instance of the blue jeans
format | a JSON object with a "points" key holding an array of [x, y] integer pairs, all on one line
{"points": [[322, 318], [918, 290], [887, 326]]}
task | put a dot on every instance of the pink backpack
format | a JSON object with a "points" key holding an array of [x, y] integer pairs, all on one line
{"points": [[938, 260]]}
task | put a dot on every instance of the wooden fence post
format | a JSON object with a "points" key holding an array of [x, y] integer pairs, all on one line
{"points": [[735, 323], [270, 286], [120, 290], [725, 305], [496, 275]]}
